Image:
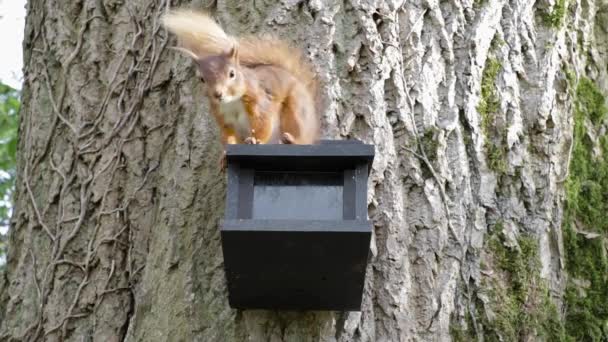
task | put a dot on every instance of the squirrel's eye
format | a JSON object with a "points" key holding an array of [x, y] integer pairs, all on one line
{"points": [[202, 79], [232, 74]]}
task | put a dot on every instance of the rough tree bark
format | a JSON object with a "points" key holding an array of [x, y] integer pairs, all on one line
{"points": [[115, 228]]}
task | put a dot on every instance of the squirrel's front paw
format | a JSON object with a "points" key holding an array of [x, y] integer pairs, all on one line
{"points": [[222, 162], [252, 139], [287, 138]]}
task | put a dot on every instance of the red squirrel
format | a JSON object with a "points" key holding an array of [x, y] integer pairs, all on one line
{"points": [[260, 89]]}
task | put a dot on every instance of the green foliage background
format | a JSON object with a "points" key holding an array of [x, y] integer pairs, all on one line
{"points": [[9, 109]]}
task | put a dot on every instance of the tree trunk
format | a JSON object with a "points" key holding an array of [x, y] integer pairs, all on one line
{"points": [[469, 105]]}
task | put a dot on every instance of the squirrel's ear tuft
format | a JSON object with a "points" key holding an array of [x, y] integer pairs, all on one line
{"points": [[233, 54], [185, 52]]}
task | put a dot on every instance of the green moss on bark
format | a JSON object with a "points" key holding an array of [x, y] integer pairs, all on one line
{"points": [[461, 334], [497, 159], [513, 303], [430, 144], [555, 17], [489, 104], [488, 108], [520, 303], [586, 210]]}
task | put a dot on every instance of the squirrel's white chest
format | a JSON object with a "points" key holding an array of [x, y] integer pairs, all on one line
{"points": [[235, 115]]}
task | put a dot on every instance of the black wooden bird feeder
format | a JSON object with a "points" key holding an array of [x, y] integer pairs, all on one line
{"points": [[296, 234]]}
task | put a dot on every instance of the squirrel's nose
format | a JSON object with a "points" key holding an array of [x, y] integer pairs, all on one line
{"points": [[217, 94]]}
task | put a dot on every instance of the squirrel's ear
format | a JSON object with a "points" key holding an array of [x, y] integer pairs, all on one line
{"points": [[234, 54], [185, 52]]}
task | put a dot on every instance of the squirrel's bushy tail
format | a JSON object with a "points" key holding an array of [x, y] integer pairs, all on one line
{"points": [[200, 34]]}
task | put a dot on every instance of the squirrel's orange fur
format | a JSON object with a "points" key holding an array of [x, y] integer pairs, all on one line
{"points": [[260, 89]]}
